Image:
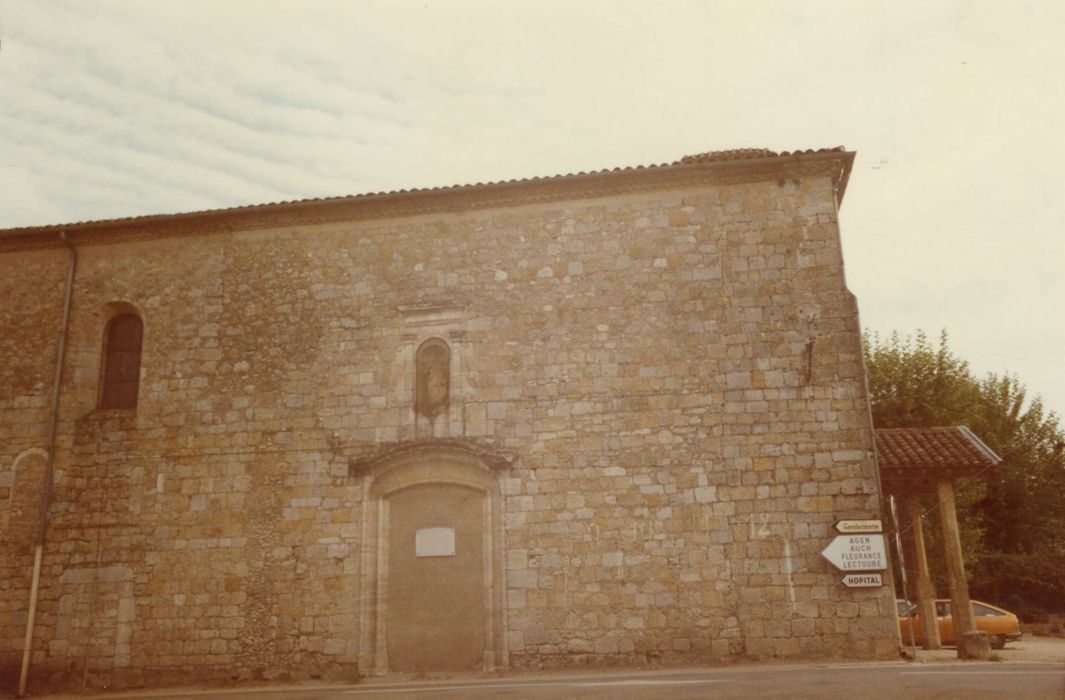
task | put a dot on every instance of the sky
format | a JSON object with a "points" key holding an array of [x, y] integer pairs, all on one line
{"points": [[952, 218]]}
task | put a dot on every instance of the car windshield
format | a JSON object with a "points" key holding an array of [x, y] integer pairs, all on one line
{"points": [[905, 607]]}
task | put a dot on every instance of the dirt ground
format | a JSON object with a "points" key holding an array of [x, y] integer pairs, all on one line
{"points": [[1030, 649]]}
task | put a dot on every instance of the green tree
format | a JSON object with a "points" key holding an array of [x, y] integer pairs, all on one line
{"points": [[914, 384], [1023, 511], [1012, 517]]}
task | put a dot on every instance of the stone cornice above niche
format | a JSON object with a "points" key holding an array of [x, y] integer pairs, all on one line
{"points": [[432, 314]]}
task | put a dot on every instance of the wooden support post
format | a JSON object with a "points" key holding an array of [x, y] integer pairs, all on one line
{"points": [[960, 608], [926, 593]]}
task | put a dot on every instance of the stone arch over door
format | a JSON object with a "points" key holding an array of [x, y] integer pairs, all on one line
{"points": [[431, 610]]}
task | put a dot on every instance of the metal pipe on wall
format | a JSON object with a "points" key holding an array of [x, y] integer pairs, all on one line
{"points": [[46, 486]]}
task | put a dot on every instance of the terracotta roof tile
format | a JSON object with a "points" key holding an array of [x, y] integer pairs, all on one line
{"points": [[748, 154], [951, 451], [708, 157]]}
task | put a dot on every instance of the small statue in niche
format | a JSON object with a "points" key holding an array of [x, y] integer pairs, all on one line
{"points": [[433, 378]]}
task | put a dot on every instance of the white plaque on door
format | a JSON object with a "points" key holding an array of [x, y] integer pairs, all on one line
{"points": [[434, 542]]}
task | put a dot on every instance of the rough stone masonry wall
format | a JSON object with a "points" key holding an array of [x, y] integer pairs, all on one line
{"points": [[676, 376], [31, 313]]}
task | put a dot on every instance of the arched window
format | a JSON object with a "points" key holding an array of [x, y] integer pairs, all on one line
{"points": [[121, 362]]}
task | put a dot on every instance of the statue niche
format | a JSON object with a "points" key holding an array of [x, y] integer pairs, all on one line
{"points": [[432, 378]]}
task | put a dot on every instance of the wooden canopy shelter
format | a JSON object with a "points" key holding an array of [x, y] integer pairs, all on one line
{"points": [[919, 464]]}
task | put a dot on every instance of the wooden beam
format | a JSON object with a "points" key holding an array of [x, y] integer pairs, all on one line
{"points": [[960, 607], [926, 593]]}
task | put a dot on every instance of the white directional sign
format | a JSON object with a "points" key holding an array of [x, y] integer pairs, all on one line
{"points": [[850, 527], [857, 553], [863, 580]]}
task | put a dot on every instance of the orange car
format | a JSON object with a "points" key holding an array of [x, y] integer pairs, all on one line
{"points": [[1000, 625]]}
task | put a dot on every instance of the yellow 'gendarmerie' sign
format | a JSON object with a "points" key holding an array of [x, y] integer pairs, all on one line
{"points": [[858, 526]]}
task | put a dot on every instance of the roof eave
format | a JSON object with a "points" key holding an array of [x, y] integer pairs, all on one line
{"points": [[450, 199], [979, 444]]}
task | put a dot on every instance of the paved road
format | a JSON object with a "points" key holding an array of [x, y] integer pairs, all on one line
{"points": [[1012, 681]]}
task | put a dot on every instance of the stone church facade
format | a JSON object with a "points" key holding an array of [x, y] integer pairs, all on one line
{"points": [[596, 419]]}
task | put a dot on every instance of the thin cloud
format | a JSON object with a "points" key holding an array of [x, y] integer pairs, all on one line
{"points": [[123, 108]]}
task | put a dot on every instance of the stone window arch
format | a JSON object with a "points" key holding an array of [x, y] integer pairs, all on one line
{"points": [[432, 380], [20, 509], [120, 367]]}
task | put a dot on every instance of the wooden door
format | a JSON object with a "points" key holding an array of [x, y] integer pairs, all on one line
{"points": [[436, 579]]}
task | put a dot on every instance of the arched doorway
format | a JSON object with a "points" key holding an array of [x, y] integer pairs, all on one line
{"points": [[431, 579]]}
